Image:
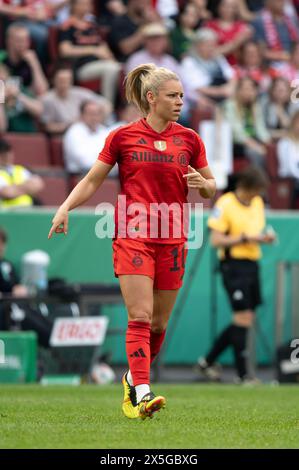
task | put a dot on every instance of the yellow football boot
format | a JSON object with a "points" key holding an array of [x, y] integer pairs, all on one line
{"points": [[129, 405], [150, 404]]}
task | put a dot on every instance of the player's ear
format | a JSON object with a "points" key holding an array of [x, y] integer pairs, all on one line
{"points": [[150, 97]]}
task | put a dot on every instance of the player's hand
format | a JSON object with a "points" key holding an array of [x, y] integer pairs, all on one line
{"points": [[265, 238], [195, 180], [59, 222], [30, 57]]}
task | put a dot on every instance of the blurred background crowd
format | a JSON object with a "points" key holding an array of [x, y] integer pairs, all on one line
{"points": [[63, 62]]}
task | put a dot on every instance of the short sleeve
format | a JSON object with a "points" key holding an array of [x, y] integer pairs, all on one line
{"points": [[218, 219], [110, 151], [3, 183], [199, 159]]}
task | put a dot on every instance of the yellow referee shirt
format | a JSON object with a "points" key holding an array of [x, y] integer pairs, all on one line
{"points": [[231, 217]]}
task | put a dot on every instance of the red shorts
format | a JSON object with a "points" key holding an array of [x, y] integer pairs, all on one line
{"points": [[164, 263]]}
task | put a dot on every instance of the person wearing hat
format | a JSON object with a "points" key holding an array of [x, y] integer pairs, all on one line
{"points": [[156, 42]]}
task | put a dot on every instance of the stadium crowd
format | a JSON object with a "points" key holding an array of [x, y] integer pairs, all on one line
{"points": [[63, 63]]}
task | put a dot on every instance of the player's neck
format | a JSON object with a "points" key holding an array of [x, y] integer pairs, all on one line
{"points": [[242, 197], [157, 124]]}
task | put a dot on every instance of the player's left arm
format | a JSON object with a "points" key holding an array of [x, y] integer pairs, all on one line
{"points": [[203, 180]]}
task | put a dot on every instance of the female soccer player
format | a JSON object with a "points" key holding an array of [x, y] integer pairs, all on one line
{"points": [[158, 160]]}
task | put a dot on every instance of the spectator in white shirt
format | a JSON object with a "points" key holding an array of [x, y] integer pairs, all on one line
{"points": [[288, 151], [61, 105], [85, 139], [208, 76]]}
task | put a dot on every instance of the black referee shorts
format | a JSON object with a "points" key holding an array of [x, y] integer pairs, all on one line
{"points": [[241, 281]]}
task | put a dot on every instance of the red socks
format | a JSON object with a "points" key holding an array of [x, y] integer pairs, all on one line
{"points": [[138, 351], [142, 347], [156, 341]]}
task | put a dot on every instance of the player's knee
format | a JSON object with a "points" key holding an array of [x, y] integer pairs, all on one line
{"points": [[140, 314], [244, 319]]}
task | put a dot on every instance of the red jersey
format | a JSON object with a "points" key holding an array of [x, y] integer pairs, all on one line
{"points": [[227, 35], [151, 169]]}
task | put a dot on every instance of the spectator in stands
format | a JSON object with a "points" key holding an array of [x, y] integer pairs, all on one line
{"points": [[61, 10], [9, 281], [202, 10], [277, 107], [18, 186], [61, 105], [181, 36], [288, 155], [20, 110], [155, 46], [276, 31], [17, 313], [231, 32], [251, 64], [290, 70], [167, 9], [244, 113], [33, 16], [109, 10], [80, 40], [84, 140], [248, 9], [126, 34], [127, 113], [22, 61], [208, 76]]}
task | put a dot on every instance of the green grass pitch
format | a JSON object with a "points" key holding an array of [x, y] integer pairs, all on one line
{"points": [[196, 416]]}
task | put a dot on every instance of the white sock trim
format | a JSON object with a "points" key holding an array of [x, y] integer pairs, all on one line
{"points": [[130, 378], [141, 390]]}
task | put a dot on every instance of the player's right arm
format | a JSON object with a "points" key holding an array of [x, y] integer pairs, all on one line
{"points": [[81, 193]]}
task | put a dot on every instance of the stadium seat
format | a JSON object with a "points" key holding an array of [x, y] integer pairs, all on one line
{"points": [[56, 151], [107, 193], [53, 43], [31, 150], [198, 115], [55, 190], [93, 85], [280, 193], [272, 161], [281, 190]]}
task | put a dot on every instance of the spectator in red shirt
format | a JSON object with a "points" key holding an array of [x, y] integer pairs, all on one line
{"points": [[231, 32], [158, 160]]}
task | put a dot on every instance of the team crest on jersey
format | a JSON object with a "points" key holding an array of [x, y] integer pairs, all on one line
{"points": [[160, 145], [137, 261], [183, 159], [177, 140], [216, 213]]}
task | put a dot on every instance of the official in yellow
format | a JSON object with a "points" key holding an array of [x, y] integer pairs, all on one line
{"points": [[237, 225], [17, 184]]}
